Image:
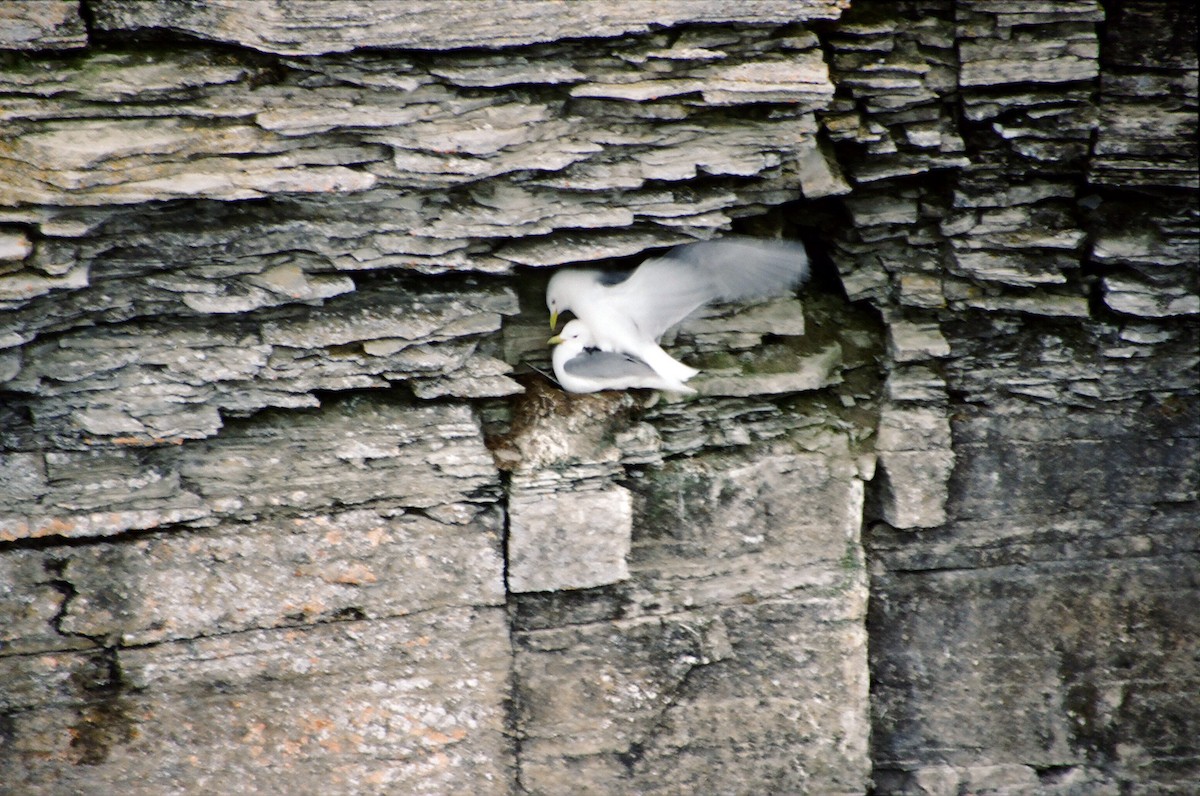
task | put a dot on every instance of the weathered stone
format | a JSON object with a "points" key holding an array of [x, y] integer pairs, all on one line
{"points": [[783, 371], [915, 383], [1134, 297], [71, 163], [573, 540], [32, 600], [277, 27], [883, 210], [365, 444], [781, 316], [1138, 248], [1049, 304], [406, 338], [395, 118], [42, 25], [413, 704], [661, 687], [14, 246], [276, 424], [356, 563], [820, 175], [1021, 271], [19, 287], [705, 633], [916, 461], [913, 342], [1064, 712], [1025, 61]]}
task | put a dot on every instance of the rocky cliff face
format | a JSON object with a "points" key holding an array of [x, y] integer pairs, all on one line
{"points": [[287, 506]]}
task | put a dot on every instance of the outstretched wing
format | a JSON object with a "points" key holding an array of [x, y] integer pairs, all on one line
{"points": [[665, 290]]}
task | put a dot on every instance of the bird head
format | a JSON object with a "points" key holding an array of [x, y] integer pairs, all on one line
{"points": [[575, 333], [563, 289]]}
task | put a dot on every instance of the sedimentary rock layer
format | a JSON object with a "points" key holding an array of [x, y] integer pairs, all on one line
{"points": [[287, 501]]}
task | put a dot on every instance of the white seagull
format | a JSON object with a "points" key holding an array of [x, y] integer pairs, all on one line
{"points": [[580, 367], [627, 312]]}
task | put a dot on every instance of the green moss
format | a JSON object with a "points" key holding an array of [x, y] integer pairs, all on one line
{"points": [[771, 359], [852, 560]]}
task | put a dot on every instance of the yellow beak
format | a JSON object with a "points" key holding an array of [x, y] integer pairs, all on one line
{"points": [[553, 320], [555, 340]]}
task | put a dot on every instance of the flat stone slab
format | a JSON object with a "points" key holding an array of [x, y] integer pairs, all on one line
{"points": [[568, 540]]}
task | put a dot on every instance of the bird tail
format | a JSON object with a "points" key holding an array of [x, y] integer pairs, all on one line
{"points": [[664, 364]]}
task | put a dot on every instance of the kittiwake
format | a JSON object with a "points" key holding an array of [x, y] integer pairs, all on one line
{"points": [[580, 367], [628, 312]]}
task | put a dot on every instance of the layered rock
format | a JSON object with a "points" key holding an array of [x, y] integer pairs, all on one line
{"points": [[1038, 297], [286, 502]]}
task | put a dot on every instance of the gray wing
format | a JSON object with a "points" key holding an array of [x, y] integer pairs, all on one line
{"points": [[664, 291], [606, 365], [745, 268]]}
